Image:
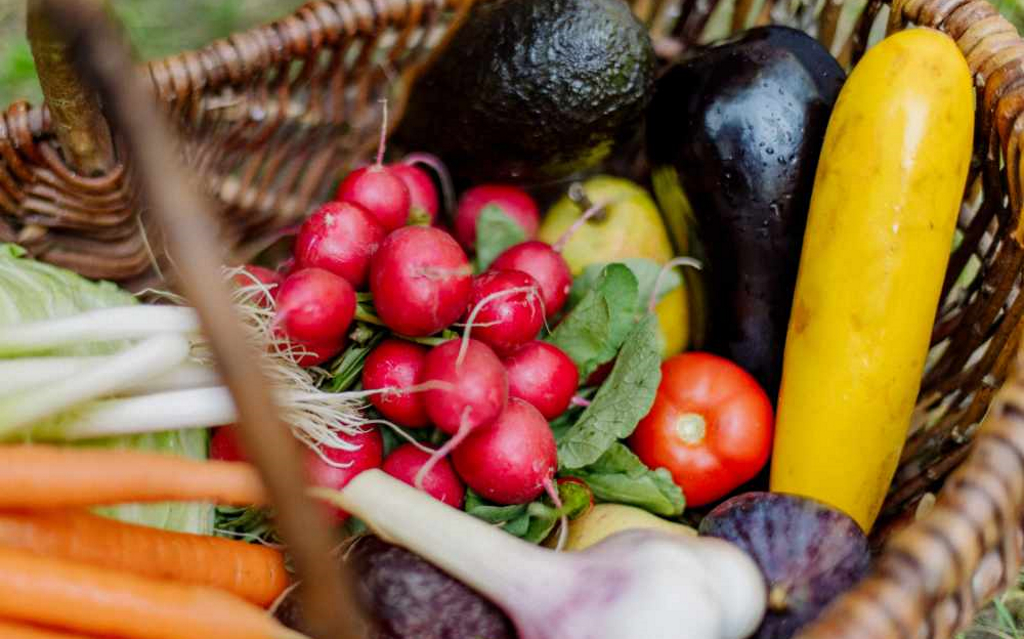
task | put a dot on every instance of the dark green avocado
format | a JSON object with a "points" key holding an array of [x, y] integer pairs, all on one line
{"points": [[532, 90]]}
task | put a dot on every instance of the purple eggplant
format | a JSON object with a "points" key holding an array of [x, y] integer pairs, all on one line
{"points": [[736, 129]]}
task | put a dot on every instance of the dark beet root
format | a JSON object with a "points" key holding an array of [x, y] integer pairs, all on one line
{"points": [[421, 280], [809, 553], [408, 598], [340, 237], [512, 314], [544, 264]]}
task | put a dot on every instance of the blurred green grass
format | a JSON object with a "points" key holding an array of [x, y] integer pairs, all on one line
{"points": [[162, 27], [156, 28]]}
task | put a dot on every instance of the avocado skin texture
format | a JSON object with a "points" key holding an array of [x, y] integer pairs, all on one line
{"points": [[532, 90], [741, 124]]}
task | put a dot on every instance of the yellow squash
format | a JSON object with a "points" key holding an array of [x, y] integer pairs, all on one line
{"points": [[879, 231]]}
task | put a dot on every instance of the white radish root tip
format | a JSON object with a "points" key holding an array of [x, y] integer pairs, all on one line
{"points": [[652, 303], [559, 245], [442, 452], [435, 163], [563, 520], [383, 132]]}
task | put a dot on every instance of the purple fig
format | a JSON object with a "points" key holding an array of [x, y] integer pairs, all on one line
{"points": [[808, 552]]}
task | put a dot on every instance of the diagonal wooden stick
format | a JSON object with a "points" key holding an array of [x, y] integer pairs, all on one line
{"points": [[191, 234]]}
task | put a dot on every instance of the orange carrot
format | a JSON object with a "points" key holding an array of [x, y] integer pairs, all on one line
{"points": [[50, 477], [83, 598], [10, 630], [256, 573]]}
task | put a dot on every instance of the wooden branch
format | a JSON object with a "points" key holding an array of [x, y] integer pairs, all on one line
{"points": [[190, 230], [78, 120]]}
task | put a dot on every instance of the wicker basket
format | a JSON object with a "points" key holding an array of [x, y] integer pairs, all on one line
{"points": [[269, 118]]}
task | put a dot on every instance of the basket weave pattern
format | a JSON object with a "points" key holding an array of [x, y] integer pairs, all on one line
{"points": [[269, 118]]}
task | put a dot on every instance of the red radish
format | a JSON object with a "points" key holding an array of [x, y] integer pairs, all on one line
{"points": [[478, 385], [544, 264], [314, 305], [510, 460], [423, 201], [514, 202], [505, 310], [441, 483], [340, 237], [396, 363], [471, 389], [224, 445], [377, 189], [544, 376], [251, 275], [345, 464], [315, 353], [421, 280]]}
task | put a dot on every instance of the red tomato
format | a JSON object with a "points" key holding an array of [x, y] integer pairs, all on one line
{"points": [[710, 426]]}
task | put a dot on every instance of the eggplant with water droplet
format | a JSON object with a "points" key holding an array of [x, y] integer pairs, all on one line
{"points": [[734, 132]]}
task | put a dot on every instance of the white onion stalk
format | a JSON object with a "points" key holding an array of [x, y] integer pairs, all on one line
{"points": [[24, 373], [635, 583], [148, 358], [143, 389], [104, 325]]}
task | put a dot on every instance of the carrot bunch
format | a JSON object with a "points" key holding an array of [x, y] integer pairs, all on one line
{"points": [[66, 573]]}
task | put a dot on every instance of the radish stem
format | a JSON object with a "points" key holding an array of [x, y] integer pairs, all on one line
{"points": [[150, 357], [110, 324], [652, 303]]}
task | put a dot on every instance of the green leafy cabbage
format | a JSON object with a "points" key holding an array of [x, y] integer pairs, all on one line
{"points": [[32, 291]]}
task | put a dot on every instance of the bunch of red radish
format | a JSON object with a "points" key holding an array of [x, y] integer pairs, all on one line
{"points": [[492, 390]]}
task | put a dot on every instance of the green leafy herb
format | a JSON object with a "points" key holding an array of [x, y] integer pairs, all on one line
{"points": [[348, 368], [534, 521], [644, 270], [620, 477], [622, 401], [495, 232], [593, 331]]}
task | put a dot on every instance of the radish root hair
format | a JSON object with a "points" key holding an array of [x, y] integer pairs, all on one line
{"points": [[383, 132], [559, 245], [435, 163], [316, 418], [652, 303], [532, 291], [442, 452], [563, 520]]}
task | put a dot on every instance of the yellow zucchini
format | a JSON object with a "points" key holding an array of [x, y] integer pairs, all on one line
{"points": [[879, 231]]}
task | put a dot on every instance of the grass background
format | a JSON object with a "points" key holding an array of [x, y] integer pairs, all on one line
{"points": [[162, 27], [156, 27]]}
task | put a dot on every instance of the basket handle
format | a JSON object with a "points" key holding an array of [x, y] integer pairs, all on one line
{"points": [[187, 217], [75, 111]]}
